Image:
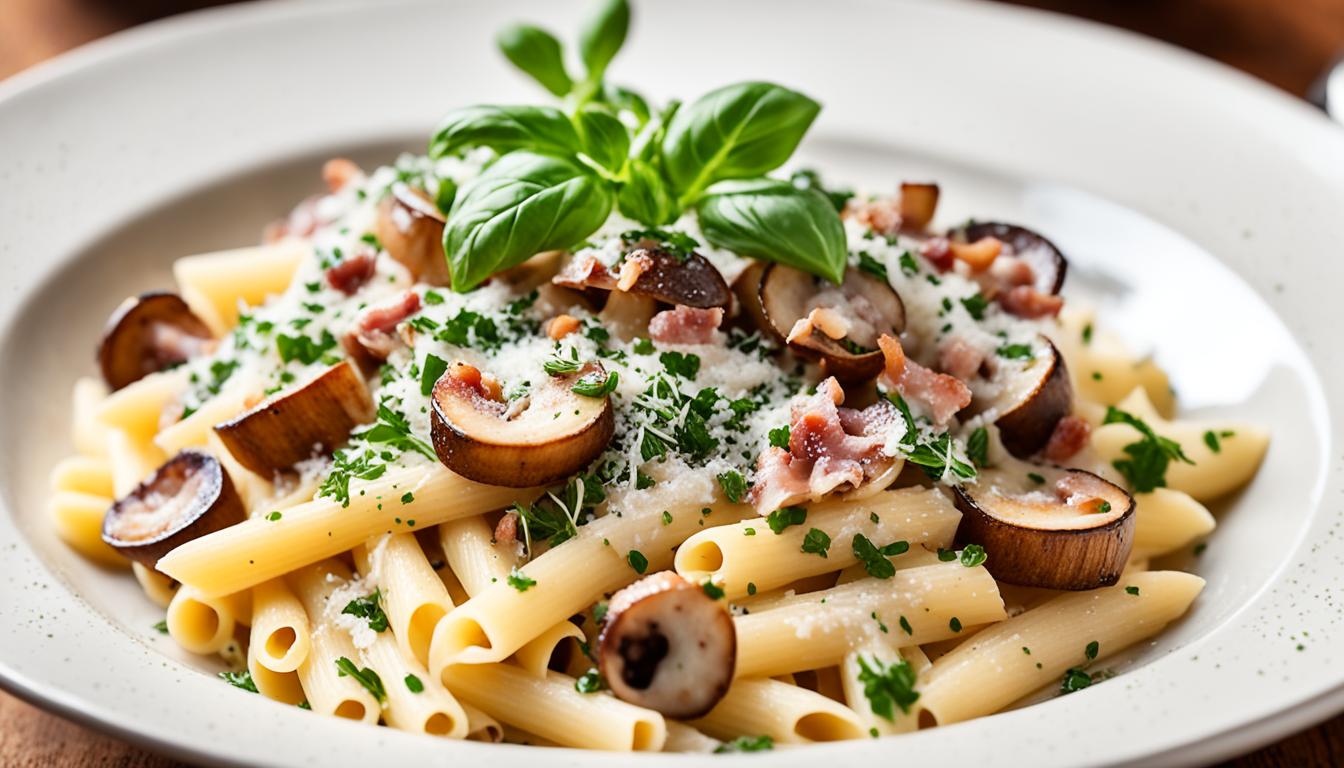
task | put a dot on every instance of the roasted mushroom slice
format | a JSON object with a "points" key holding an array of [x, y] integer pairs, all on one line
{"points": [[690, 280], [1026, 394], [838, 325], [149, 333], [544, 436], [300, 422], [1047, 262], [1046, 526], [186, 498], [410, 228], [667, 646]]}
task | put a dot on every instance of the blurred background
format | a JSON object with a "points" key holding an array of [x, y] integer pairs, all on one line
{"points": [[1287, 43]]}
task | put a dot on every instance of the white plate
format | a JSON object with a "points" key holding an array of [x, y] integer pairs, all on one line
{"points": [[187, 135]]}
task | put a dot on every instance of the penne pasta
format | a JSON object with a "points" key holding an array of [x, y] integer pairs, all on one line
{"points": [[203, 624], [86, 431], [411, 593], [416, 702], [280, 637], [138, 408], [83, 474], [1166, 520], [158, 588], [553, 649], [473, 555], [328, 691], [786, 713], [213, 284], [78, 520]]}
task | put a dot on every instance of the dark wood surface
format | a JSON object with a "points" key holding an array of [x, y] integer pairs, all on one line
{"points": [[1285, 42]]}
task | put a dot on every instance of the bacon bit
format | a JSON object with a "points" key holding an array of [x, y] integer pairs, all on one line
{"points": [[824, 319], [467, 382], [938, 252], [829, 447], [339, 171], [1070, 437], [918, 204], [374, 334], [1025, 301], [940, 394], [980, 255], [349, 275], [882, 215], [957, 357], [1011, 271], [506, 530], [631, 271], [561, 326], [685, 325], [585, 272]]}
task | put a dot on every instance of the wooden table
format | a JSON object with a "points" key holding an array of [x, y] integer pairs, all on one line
{"points": [[1286, 42]]}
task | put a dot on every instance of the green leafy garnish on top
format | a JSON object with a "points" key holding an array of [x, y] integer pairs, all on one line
{"points": [[1146, 467]]}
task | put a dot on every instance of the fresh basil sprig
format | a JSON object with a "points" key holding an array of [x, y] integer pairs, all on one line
{"points": [[560, 172]]}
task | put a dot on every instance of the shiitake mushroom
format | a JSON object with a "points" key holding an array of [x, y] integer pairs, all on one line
{"points": [[1027, 400], [1046, 526], [669, 278], [667, 646], [186, 498], [148, 333], [544, 436], [310, 419], [1047, 262], [838, 325], [410, 229]]}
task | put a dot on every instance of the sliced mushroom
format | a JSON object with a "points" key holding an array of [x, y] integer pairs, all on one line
{"points": [[410, 228], [186, 498], [689, 280], [149, 333], [1047, 262], [298, 423], [1026, 397], [839, 325], [544, 436], [1045, 526], [918, 204], [667, 646]]}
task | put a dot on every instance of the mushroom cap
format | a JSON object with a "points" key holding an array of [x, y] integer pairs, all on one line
{"points": [[186, 498], [668, 646], [689, 280], [1073, 531], [1045, 259], [410, 228], [146, 334], [553, 435], [1043, 397]]}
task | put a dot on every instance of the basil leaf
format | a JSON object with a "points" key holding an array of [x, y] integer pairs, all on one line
{"points": [[644, 197], [736, 132], [625, 100], [602, 36], [523, 204], [648, 143], [775, 220], [603, 137], [504, 129], [538, 53]]}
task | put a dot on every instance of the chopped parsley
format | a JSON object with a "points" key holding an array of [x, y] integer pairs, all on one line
{"points": [[161, 627], [1146, 467], [673, 241], [368, 608], [905, 626], [1211, 439], [746, 744], [642, 346], [240, 679], [414, 684], [1015, 351], [973, 555], [874, 559], [1075, 679], [785, 517], [393, 429], [365, 677], [946, 555], [908, 264], [559, 366], [816, 542], [590, 386], [677, 364], [407, 497], [733, 484], [1036, 478], [346, 466], [779, 437], [637, 561], [590, 682], [887, 686], [274, 516], [434, 367], [1092, 649], [954, 624], [302, 348], [976, 305], [977, 447], [520, 581], [1131, 590], [872, 266], [714, 591]]}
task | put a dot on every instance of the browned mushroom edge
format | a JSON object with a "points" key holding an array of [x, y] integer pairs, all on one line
{"points": [[1046, 526], [148, 333], [689, 280], [186, 498], [1047, 262], [293, 425], [919, 202], [837, 325], [1030, 401], [410, 229], [667, 646], [544, 436]]}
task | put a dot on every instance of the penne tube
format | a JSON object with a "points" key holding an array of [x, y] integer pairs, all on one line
{"points": [[555, 709], [474, 556], [78, 520], [851, 676], [495, 623], [256, 492], [86, 430], [278, 686], [213, 284], [749, 552], [131, 460], [138, 407], [158, 588], [259, 549], [685, 738], [482, 727], [1007, 661], [83, 474], [411, 593], [1166, 520], [203, 624], [195, 430], [557, 645], [415, 701], [280, 637], [817, 629], [328, 691], [786, 713]]}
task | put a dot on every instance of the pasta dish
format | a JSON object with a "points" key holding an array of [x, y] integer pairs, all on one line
{"points": [[603, 425]]}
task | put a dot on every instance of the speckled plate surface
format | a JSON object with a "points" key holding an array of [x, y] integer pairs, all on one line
{"points": [[1202, 207]]}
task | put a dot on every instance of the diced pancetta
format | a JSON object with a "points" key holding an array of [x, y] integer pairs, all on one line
{"points": [[685, 325], [939, 394]]}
